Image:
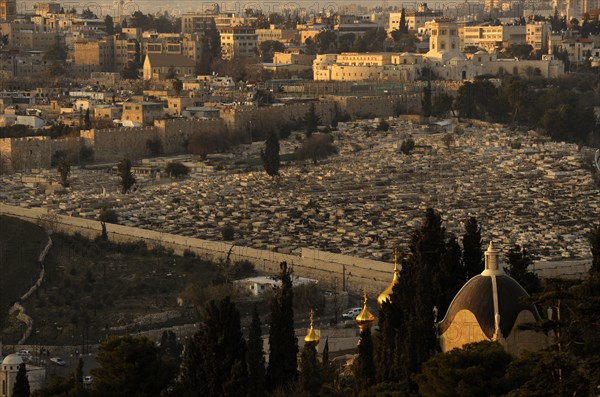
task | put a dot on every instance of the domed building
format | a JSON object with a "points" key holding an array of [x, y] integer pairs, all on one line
{"points": [[8, 374], [491, 307]]}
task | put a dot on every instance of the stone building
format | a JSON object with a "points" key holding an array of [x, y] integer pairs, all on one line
{"points": [[161, 66], [8, 375], [142, 113], [491, 307], [413, 18], [238, 42], [8, 9], [444, 58]]}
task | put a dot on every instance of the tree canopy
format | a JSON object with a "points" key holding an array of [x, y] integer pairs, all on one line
{"points": [[130, 366]]}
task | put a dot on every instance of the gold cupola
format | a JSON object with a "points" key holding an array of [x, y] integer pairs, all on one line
{"points": [[365, 319], [387, 293], [312, 336]]}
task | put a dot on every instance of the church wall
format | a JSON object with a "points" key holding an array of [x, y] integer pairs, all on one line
{"points": [[520, 341], [463, 329]]}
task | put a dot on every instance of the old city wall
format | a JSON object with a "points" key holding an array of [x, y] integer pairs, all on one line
{"points": [[113, 144], [18, 154], [69, 146], [328, 267], [6, 156], [242, 120], [174, 134]]}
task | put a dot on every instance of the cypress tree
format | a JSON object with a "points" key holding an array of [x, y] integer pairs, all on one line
{"points": [[270, 155], [215, 357], [519, 259], [127, 178], [595, 248], [283, 344], [387, 354], [256, 358], [311, 120], [403, 25], [418, 295], [472, 251], [79, 377], [450, 277], [21, 388], [87, 119], [364, 367], [310, 370], [426, 103]]}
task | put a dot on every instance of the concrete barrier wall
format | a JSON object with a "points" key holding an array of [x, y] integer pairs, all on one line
{"points": [[329, 268]]}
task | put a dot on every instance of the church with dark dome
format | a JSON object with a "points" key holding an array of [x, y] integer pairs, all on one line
{"points": [[491, 307]]}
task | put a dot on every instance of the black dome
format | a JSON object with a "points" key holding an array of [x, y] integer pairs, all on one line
{"points": [[477, 297]]}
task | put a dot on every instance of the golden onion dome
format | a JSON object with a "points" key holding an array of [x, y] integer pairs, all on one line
{"points": [[365, 319], [387, 293], [312, 336]]}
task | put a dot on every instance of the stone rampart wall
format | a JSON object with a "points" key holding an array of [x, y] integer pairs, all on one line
{"points": [[113, 144], [174, 134], [242, 120]]}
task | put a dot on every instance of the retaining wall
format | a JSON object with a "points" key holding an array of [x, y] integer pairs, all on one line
{"points": [[327, 267]]}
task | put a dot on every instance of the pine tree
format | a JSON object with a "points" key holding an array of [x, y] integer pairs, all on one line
{"points": [[127, 178], [310, 370], [472, 251], [270, 155], [283, 344], [256, 358], [364, 366], [519, 259], [21, 388], [595, 248], [215, 357]]}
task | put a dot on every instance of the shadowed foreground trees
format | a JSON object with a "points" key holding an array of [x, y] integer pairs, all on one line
{"points": [[131, 366], [478, 369], [215, 357], [21, 388], [283, 364]]}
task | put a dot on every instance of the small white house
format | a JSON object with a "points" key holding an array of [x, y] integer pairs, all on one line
{"points": [[259, 285]]}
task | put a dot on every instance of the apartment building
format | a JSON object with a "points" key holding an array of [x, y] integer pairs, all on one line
{"points": [[537, 35], [413, 17], [98, 53], [142, 113], [8, 10], [276, 34], [491, 38], [201, 22], [237, 42], [187, 44], [579, 49]]}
